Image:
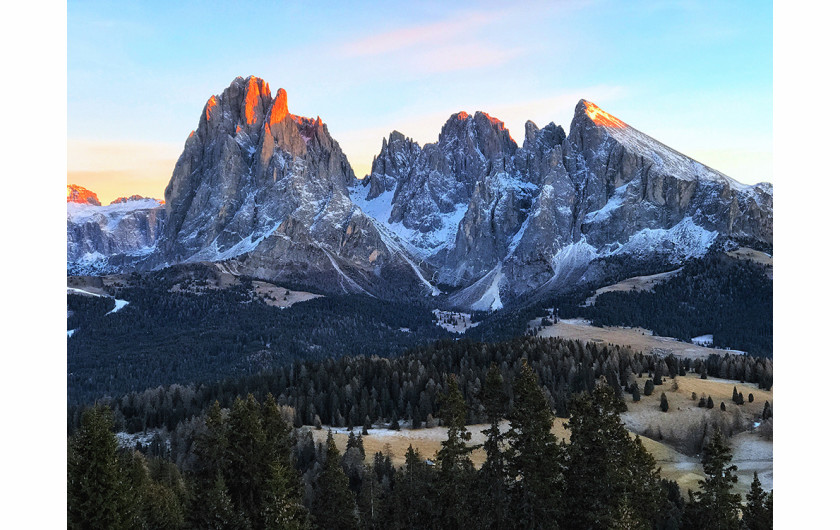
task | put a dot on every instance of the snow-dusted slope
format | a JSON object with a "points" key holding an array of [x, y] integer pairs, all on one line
{"points": [[104, 239], [540, 215], [474, 215], [267, 190]]}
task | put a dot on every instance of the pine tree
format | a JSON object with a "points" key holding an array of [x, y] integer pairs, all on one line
{"points": [[282, 507], [453, 455], [333, 507], [211, 505], [370, 501], [757, 515], [714, 506], [454, 465], [415, 494], [767, 412], [534, 465], [492, 473], [162, 507], [95, 493], [649, 387], [610, 479], [663, 403], [212, 508], [277, 432], [247, 456]]}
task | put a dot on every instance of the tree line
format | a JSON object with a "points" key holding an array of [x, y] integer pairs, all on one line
{"points": [[249, 468], [164, 337], [360, 390], [729, 298]]}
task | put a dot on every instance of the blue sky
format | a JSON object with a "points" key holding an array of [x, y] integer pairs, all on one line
{"points": [[695, 75]]}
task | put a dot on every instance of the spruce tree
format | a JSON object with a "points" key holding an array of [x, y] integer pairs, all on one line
{"points": [[714, 506], [282, 506], [415, 494], [663, 403], [211, 505], [767, 412], [247, 457], [534, 465], [95, 493], [756, 514], [453, 459], [610, 479], [492, 473], [277, 432], [333, 507]]}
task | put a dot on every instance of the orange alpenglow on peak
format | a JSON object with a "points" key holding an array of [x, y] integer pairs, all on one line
{"points": [[280, 108], [462, 115], [212, 102], [496, 121], [81, 195], [600, 117], [252, 99]]}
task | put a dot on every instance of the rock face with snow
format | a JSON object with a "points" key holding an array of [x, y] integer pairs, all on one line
{"points": [[103, 239], [540, 217], [269, 194], [266, 191]]}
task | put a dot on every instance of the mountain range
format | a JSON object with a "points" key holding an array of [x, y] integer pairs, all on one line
{"points": [[472, 221]]}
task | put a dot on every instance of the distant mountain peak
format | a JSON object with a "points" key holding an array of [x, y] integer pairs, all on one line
{"points": [[123, 200], [81, 195]]}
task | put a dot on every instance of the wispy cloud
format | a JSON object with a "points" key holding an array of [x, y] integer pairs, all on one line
{"points": [[429, 34], [464, 41]]}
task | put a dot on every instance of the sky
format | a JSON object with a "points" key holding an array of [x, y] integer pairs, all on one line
{"points": [[697, 76]]}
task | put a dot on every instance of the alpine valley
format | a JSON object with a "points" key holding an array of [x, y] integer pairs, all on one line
{"points": [[472, 235], [545, 335]]}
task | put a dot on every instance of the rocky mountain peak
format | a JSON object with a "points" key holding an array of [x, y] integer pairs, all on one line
{"points": [[597, 115], [481, 131], [80, 195], [266, 192], [124, 200], [250, 166], [279, 107]]}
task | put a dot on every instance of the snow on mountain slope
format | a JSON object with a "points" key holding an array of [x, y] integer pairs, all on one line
{"points": [[102, 239], [271, 195]]}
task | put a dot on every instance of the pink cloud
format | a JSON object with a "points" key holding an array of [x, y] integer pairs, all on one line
{"points": [[412, 36]]}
